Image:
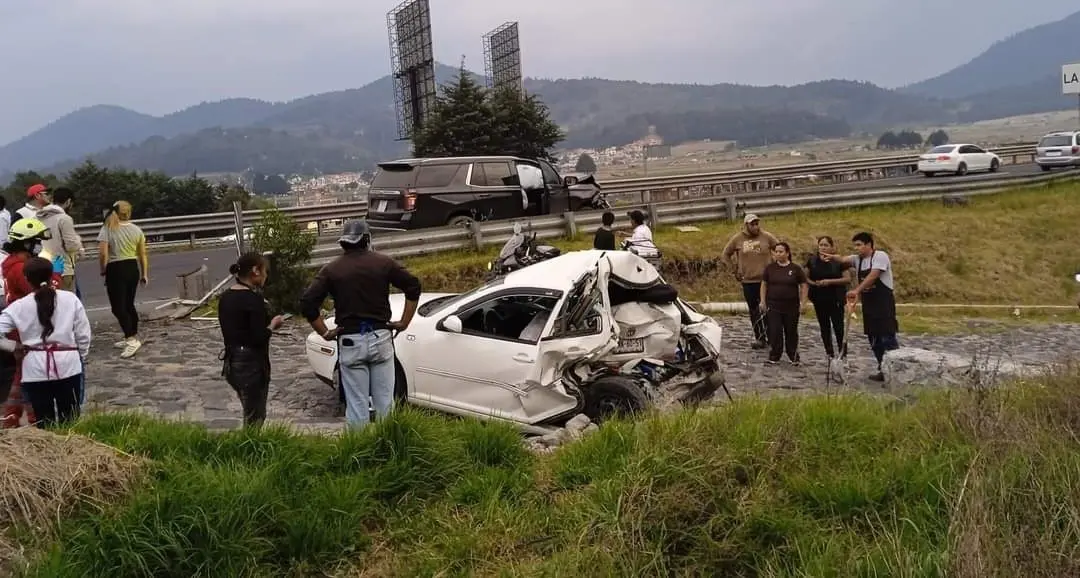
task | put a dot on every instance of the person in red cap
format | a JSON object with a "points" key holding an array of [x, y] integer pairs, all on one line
{"points": [[37, 197]]}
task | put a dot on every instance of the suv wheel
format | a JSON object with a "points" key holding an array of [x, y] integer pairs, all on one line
{"points": [[612, 396], [1045, 168], [459, 221]]}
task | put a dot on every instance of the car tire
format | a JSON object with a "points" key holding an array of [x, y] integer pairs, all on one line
{"points": [[928, 174], [459, 221], [961, 170], [401, 385], [1045, 168], [612, 396], [994, 166]]}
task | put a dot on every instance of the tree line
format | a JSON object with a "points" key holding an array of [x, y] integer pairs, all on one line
{"points": [[907, 139], [152, 194]]}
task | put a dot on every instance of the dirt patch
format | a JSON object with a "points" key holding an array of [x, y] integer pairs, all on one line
{"points": [[44, 475]]}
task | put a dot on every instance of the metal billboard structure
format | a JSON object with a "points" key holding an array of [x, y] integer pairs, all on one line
{"points": [[412, 63], [502, 57]]}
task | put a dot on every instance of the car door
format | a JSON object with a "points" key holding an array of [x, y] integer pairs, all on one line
{"points": [[498, 195], [558, 194], [485, 369], [984, 157]]}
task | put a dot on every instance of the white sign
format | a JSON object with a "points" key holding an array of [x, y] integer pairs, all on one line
{"points": [[1070, 79]]}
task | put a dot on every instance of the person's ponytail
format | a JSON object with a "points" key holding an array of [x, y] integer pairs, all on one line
{"points": [[45, 297], [234, 269]]}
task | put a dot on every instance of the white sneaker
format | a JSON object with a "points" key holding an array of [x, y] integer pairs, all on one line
{"points": [[122, 343], [130, 348]]}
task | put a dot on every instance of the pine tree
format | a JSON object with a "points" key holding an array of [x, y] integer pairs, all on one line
{"points": [[460, 124], [523, 125]]}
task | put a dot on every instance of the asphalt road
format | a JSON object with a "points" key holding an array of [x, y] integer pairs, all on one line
{"points": [[164, 267]]}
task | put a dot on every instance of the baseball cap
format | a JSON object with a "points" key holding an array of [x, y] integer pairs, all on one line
{"points": [[354, 231], [36, 190], [750, 218]]}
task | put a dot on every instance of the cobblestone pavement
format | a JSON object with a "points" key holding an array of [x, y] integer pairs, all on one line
{"points": [[177, 372]]}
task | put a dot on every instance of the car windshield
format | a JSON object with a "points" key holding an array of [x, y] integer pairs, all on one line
{"points": [[1056, 141], [453, 301], [942, 149]]}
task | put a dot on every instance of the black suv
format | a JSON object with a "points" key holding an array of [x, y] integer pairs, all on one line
{"points": [[418, 193]]}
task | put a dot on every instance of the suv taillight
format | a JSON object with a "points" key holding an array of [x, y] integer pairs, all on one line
{"points": [[408, 201], [1076, 150]]}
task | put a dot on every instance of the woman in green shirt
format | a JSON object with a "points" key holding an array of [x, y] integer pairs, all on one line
{"points": [[125, 265]]}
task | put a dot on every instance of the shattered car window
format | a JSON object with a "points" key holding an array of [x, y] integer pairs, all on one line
{"points": [[514, 317], [580, 317]]}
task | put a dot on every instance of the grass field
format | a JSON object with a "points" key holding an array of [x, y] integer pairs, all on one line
{"points": [[967, 483], [1017, 248]]}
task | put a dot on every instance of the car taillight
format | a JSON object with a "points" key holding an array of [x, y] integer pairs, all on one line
{"points": [[408, 202], [1076, 150], [944, 158]]}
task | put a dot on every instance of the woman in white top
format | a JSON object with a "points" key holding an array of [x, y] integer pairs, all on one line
{"points": [[55, 339], [640, 241]]}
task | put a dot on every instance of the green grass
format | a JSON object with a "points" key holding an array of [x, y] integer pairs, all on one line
{"points": [[960, 483]]}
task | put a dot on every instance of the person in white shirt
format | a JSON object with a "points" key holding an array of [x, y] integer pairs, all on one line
{"points": [[54, 335], [640, 241]]}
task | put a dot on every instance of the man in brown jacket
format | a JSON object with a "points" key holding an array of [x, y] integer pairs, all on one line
{"points": [[750, 250]]}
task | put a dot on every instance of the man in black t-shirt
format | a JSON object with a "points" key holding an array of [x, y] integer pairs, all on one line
{"points": [[604, 239]]}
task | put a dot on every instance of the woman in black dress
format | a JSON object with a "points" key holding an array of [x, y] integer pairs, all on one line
{"points": [[829, 281], [246, 327]]}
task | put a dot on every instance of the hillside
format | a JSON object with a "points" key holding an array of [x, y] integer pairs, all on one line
{"points": [[1020, 60], [336, 129]]}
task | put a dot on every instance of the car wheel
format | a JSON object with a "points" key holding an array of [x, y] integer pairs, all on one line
{"points": [[459, 221], [994, 166], [928, 174], [401, 386], [961, 170], [614, 396], [1045, 168]]}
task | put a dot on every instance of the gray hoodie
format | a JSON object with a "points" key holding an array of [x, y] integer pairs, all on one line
{"points": [[65, 240]]}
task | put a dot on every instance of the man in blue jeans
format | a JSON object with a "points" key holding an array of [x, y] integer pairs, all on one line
{"points": [[360, 281]]}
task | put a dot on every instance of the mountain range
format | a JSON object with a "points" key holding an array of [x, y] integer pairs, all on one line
{"points": [[352, 129]]}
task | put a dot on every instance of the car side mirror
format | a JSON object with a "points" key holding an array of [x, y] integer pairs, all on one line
{"points": [[570, 181], [452, 324]]}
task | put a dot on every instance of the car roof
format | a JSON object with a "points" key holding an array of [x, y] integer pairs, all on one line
{"points": [[1061, 133], [563, 271], [452, 160]]}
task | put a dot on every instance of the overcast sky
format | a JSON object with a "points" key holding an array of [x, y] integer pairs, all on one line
{"points": [[158, 56]]}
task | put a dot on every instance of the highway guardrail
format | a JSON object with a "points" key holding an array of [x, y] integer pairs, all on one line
{"points": [[731, 207], [210, 229]]}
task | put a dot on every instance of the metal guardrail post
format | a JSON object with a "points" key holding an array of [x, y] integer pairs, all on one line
{"points": [[477, 235], [571, 224], [732, 208], [654, 215]]}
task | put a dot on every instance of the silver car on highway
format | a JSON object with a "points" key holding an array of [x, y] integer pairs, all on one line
{"points": [[1058, 149]]}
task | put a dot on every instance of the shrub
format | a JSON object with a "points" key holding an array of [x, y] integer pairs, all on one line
{"points": [[290, 248]]}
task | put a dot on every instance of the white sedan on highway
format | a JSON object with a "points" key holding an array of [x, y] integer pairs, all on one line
{"points": [[958, 159], [594, 332]]}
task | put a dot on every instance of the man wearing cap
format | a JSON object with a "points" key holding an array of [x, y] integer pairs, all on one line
{"points": [[750, 250], [359, 281], [37, 198]]}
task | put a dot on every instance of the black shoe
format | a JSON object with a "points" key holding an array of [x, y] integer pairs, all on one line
{"points": [[758, 344], [877, 377]]}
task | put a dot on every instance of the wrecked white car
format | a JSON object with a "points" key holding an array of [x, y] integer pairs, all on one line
{"points": [[594, 332]]}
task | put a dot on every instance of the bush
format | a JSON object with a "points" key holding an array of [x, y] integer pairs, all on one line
{"points": [[290, 247]]}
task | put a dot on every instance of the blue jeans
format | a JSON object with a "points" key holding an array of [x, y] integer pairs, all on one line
{"points": [[366, 364]]}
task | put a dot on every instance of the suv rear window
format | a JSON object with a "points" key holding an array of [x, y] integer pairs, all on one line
{"points": [[1056, 141], [405, 176]]}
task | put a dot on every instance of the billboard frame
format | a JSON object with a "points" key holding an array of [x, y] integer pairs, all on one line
{"points": [[412, 64], [502, 57]]}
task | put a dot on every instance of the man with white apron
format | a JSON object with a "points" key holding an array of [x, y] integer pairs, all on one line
{"points": [[877, 291]]}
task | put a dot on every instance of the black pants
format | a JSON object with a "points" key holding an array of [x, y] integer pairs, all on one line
{"points": [[752, 294], [121, 283], [248, 373], [783, 332], [55, 401], [8, 367], [830, 318]]}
